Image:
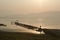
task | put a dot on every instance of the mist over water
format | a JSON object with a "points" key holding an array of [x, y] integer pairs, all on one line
{"points": [[33, 12], [46, 20], [14, 28]]}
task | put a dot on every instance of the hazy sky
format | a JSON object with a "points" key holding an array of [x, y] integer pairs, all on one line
{"points": [[34, 12]]}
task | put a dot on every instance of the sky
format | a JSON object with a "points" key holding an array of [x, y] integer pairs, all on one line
{"points": [[34, 12]]}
